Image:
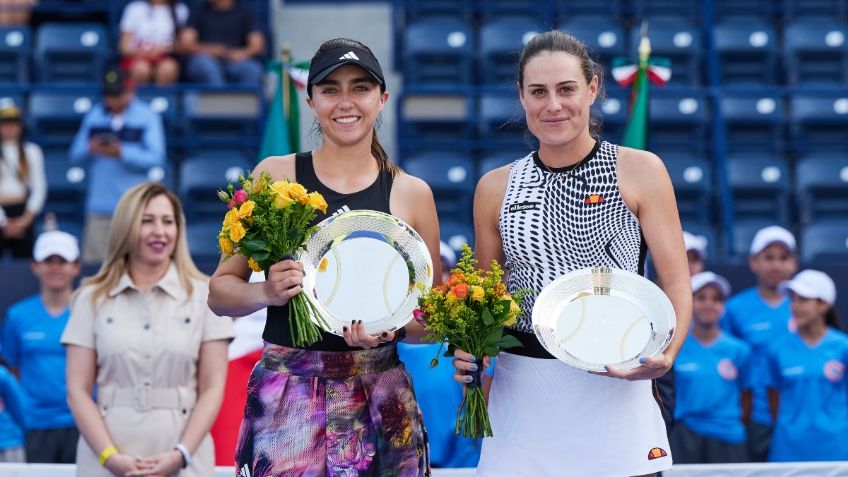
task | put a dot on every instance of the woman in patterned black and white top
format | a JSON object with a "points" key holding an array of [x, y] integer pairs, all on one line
{"points": [[577, 202]]}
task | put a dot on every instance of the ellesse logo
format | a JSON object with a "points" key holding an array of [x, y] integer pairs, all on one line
{"points": [[656, 453]]}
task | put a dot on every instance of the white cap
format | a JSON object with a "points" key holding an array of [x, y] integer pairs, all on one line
{"points": [[769, 235], [695, 243], [700, 280], [56, 242], [812, 284], [447, 253]]}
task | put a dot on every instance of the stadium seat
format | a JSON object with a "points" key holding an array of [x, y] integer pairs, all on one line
{"points": [[819, 121], [649, 8], [438, 51], [501, 42], [816, 50], [825, 242], [54, 116], [609, 8], [613, 112], [692, 180], [201, 177], [679, 121], [222, 119], [15, 50], [456, 234], [436, 121], [743, 234], [822, 186], [66, 189], [202, 236], [676, 38], [71, 52], [747, 50], [496, 159], [502, 122], [413, 10], [760, 187], [604, 35], [754, 120], [806, 8], [752, 8], [451, 176]]}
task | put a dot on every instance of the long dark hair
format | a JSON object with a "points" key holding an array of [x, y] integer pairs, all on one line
{"points": [[831, 319], [23, 164], [555, 41], [376, 148]]}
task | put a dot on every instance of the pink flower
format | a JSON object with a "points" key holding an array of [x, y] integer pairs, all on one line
{"points": [[420, 316], [231, 204], [240, 196]]}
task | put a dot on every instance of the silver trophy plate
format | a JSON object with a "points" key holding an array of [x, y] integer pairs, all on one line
{"points": [[365, 265], [601, 316]]}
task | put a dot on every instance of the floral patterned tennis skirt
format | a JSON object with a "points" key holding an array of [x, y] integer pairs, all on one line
{"points": [[326, 413]]}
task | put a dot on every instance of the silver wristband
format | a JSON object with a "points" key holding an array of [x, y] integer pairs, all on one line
{"points": [[186, 454]]}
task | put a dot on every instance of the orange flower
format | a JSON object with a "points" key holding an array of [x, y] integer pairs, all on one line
{"points": [[455, 279], [460, 290], [253, 265]]}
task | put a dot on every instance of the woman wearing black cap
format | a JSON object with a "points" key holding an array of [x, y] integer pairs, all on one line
{"points": [[361, 416], [23, 187]]}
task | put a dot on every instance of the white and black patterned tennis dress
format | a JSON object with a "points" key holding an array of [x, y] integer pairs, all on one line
{"points": [[548, 418]]}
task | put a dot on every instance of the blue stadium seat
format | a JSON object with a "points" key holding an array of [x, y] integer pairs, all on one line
{"points": [[13, 96], [752, 8], [66, 189], [501, 42], [649, 8], [541, 9], [71, 52], [825, 242], [451, 176], [613, 112], [222, 119], [15, 50], [743, 234], [502, 121], [413, 10], [456, 234], [754, 120], [436, 121], [692, 180], [54, 116], [819, 121], [760, 186], [676, 38], [497, 159], [822, 186], [604, 35], [747, 50], [202, 236], [806, 8], [609, 8], [201, 177], [816, 50], [166, 103], [679, 121], [438, 51]]}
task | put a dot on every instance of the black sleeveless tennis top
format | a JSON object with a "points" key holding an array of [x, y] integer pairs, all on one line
{"points": [[374, 197]]}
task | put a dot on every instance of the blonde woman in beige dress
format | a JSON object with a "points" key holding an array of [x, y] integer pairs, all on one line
{"points": [[141, 331]]}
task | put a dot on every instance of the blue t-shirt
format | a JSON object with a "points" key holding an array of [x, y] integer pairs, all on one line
{"points": [[812, 419], [11, 411], [709, 380], [31, 342], [748, 317], [438, 397]]}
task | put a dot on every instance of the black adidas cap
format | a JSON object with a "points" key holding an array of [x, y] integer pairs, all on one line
{"points": [[333, 59]]}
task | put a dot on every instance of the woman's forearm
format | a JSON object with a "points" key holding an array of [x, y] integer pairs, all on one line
{"points": [[89, 421]]}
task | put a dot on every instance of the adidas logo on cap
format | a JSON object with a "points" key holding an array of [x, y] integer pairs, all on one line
{"points": [[349, 56]]}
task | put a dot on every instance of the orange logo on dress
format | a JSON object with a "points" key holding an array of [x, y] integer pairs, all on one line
{"points": [[593, 199], [656, 453]]}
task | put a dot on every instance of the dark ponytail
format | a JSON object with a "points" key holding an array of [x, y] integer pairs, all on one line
{"points": [[831, 319]]}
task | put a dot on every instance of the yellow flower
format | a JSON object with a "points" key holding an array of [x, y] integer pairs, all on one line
{"points": [[231, 218], [282, 201], [237, 232], [226, 245], [253, 265], [477, 293], [511, 320], [317, 202], [282, 197], [246, 185], [514, 308], [246, 210], [260, 185], [322, 265], [451, 297], [298, 193]]}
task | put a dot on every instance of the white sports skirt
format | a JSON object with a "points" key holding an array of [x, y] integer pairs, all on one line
{"points": [[551, 419]]}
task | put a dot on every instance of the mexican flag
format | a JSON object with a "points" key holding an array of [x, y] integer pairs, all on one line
{"points": [[625, 73], [282, 125]]}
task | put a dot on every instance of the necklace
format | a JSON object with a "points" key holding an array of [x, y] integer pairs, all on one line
{"points": [[567, 173]]}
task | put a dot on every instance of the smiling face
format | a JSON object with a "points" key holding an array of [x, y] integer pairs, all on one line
{"points": [[808, 312], [773, 265], [157, 235], [707, 305], [347, 104], [556, 97]]}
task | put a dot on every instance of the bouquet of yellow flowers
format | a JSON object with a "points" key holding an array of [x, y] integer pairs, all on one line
{"points": [[268, 222], [469, 312]]}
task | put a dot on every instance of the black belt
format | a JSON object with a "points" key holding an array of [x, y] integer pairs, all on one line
{"points": [[530, 345]]}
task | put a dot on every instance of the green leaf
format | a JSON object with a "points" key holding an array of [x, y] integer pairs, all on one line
{"points": [[260, 256], [491, 350], [508, 341], [488, 319], [254, 245]]}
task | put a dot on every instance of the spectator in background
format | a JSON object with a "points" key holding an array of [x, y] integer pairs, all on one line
{"points": [[808, 388], [119, 140], [148, 40], [31, 347], [223, 40], [759, 316], [23, 187], [15, 12], [12, 418], [696, 252], [140, 330], [710, 375]]}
